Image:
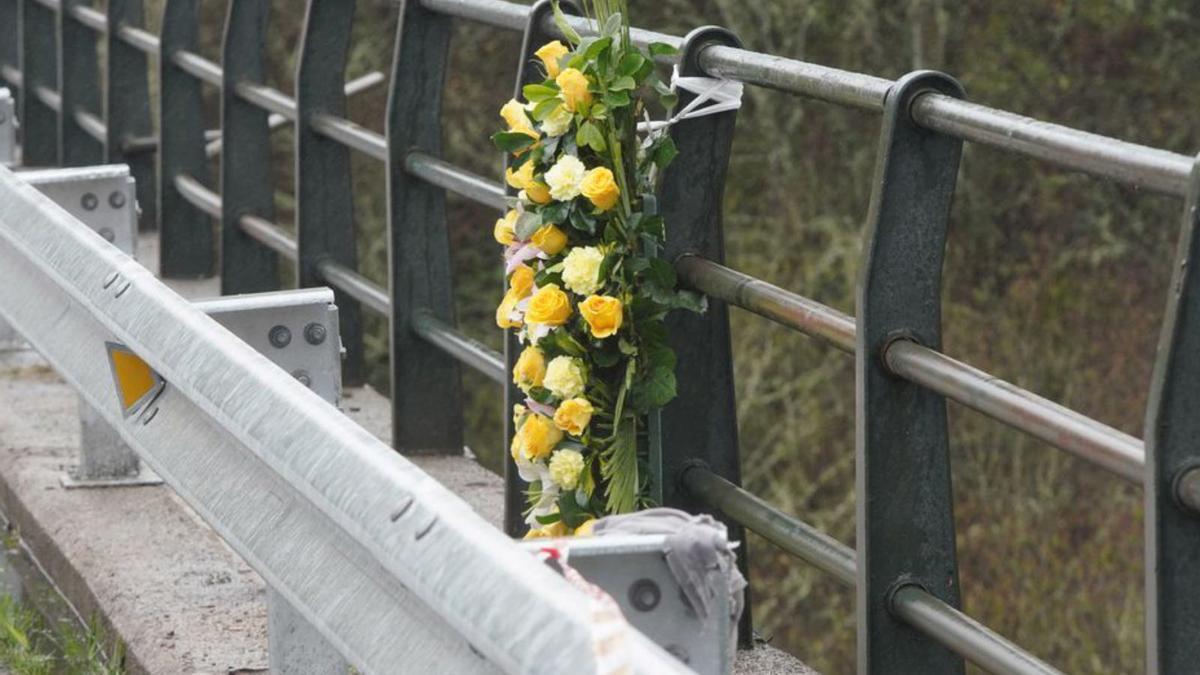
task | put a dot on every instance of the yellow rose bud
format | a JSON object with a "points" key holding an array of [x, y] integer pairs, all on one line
{"points": [[505, 230], [520, 178], [600, 188], [552, 530], [550, 239], [565, 377], [549, 306], [565, 467], [538, 436], [530, 369], [573, 416], [538, 193], [505, 311], [514, 115], [521, 281], [603, 314], [550, 53], [573, 87], [585, 528]]}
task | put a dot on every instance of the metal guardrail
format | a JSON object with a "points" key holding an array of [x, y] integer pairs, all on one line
{"points": [[377, 555], [904, 536]]}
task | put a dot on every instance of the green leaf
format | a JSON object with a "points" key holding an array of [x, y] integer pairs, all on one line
{"points": [[560, 21], [655, 390], [592, 51], [623, 83], [691, 301], [537, 93], [589, 135], [543, 109], [663, 151], [662, 49], [584, 222], [660, 356], [617, 99], [527, 224], [619, 467], [549, 519], [556, 213], [561, 341], [512, 141], [661, 274], [630, 63], [570, 510], [654, 226], [612, 26], [541, 395]]}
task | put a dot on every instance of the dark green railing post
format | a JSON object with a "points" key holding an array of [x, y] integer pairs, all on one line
{"points": [[426, 382], [39, 69], [246, 187], [127, 106], [528, 72], [1173, 455], [324, 185], [700, 426], [78, 88], [905, 517], [187, 246]]}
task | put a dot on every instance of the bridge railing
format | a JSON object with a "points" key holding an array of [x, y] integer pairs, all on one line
{"points": [[905, 570]]}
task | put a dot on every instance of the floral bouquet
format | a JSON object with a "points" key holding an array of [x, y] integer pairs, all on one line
{"points": [[587, 290]]}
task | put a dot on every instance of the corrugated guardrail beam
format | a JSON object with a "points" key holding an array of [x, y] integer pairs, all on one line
{"points": [[380, 557]]}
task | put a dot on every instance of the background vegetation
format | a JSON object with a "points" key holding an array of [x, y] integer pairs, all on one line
{"points": [[1053, 281]]}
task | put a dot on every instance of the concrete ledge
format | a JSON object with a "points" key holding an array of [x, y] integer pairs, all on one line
{"points": [[142, 562]]}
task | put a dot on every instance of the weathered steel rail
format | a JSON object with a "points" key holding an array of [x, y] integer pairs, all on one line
{"points": [[905, 535]]}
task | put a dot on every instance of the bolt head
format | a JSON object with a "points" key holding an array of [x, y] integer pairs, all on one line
{"points": [[280, 337], [315, 333], [303, 376], [89, 201], [644, 595], [108, 234], [116, 199]]}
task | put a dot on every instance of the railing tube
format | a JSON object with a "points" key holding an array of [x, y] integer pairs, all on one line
{"points": [[127, 105]]}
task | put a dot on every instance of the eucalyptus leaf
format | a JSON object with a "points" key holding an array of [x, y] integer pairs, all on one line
{"points": [[662, 49], [536, 93], [527, 224], [564, 27]]}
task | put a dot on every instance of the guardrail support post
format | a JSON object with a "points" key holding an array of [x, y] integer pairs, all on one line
{"points": [[39, 59], [527, 73], [186, 239], [426, 382], [246, 187], [324, 185], [127, 105], [905, 519], [1172, 429], [79, 89], [701, 424]]}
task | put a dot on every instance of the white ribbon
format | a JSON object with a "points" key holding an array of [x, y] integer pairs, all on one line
{"points": [[720, 94]]}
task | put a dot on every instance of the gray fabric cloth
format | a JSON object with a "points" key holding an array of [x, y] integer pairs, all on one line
{"points": [[698, 553]]}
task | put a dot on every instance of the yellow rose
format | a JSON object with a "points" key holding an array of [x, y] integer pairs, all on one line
{"points": [[538, 193], [552, 530], [573, 417], [573, 87], [519, 413], [581, 270], [550, 53], [564, 377], [550, 239], [530, 369], [565, 467], [505, 311], [549, 306], [585, 528], [538, 436], [603, 314], [514, 115], [521, 281], [600, 188], [520, 178], [505, 230]]}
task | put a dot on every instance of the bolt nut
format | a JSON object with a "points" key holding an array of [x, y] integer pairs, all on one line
{"points": [[280, 337], [89, 201], [108, 234], [644, 595], [315, 333], [116, 199], [303, 376]]}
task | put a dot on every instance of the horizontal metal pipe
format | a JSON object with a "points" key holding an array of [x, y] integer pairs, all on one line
{"points": [[50, 4], [268, 98], [48, 97], [90, 17], [355, 285], [198, 195], [471, 352], [93, 125], [270, 235], [198, 67], [798, 538], [963, 635], [351, 135], [140, 39], [443, 174], [943, 623], [1041, 418], [12, 74], [1141, 166]]}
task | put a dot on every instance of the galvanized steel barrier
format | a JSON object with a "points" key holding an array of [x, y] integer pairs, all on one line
{"points": [[905, 570]]}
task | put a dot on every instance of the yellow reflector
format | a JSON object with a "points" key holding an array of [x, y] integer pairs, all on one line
{"points": [[134, 378]]}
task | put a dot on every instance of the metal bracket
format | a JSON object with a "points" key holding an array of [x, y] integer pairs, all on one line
{"points": [[633, 570], [8, 128]]}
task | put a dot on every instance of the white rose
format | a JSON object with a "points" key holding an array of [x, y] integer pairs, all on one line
{"points": [[565, 178], [564, 377], [558, 122], [581, 270]]}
